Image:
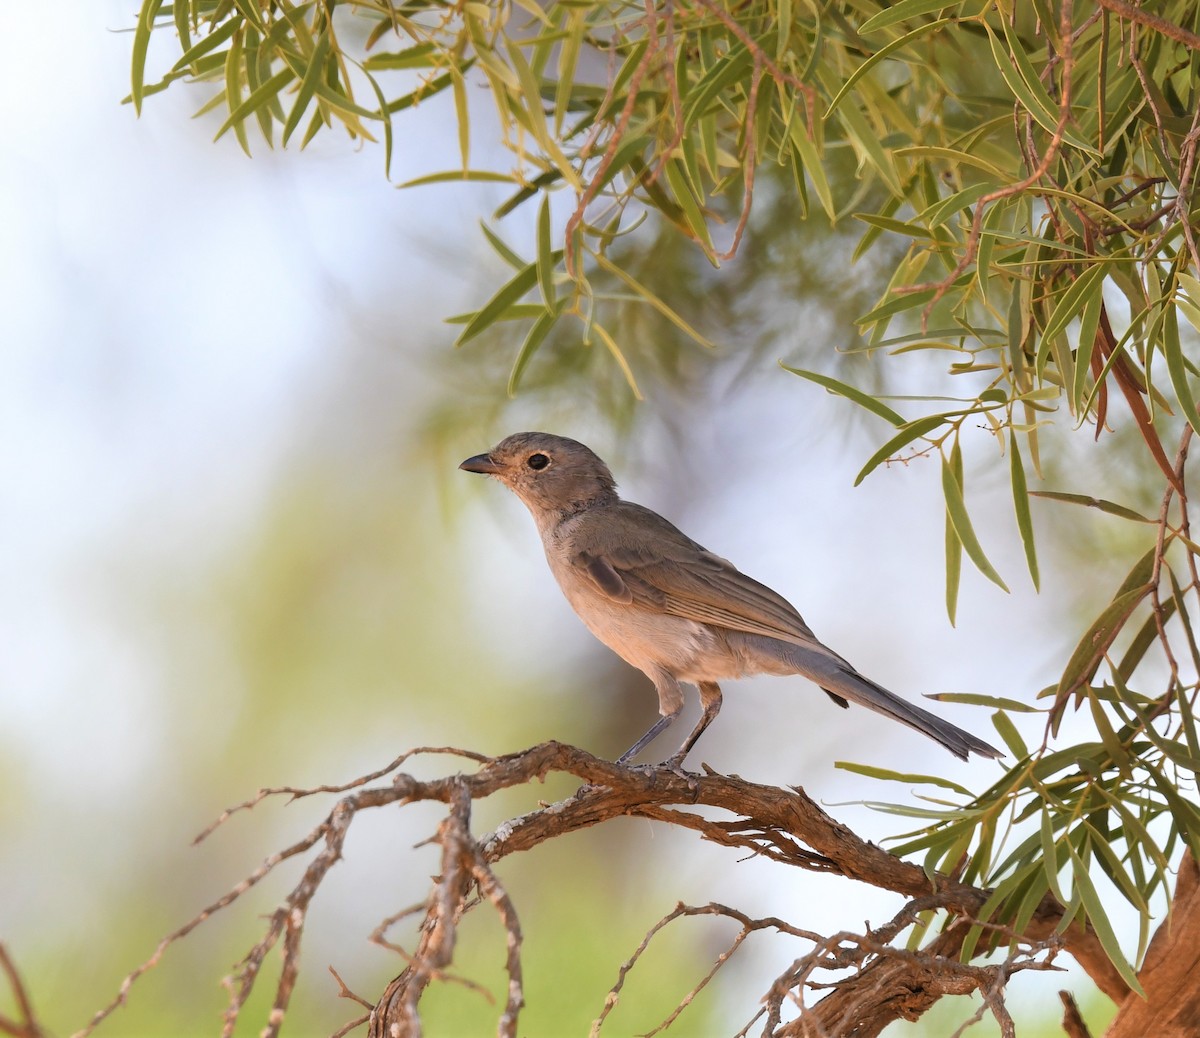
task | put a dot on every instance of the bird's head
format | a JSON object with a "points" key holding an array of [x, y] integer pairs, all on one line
{"points": [[551, 474]]}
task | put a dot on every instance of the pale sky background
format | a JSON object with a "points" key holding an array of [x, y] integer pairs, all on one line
{"points": [[176, 321]]}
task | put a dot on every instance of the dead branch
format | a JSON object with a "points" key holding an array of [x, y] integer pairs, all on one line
{"points": [[784, 825], [25, 1025]]}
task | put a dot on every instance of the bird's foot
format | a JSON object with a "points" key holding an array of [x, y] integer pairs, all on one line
{"points": [[675, 766]]}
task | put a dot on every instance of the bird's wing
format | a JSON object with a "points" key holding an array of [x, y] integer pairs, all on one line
{"points": [[636, 557]]}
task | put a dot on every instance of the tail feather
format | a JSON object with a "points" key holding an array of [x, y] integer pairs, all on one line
{"points": [[840, 681], [851, 685]]}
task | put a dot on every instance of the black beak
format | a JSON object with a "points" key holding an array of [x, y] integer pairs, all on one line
{"points": [[481, 463]]}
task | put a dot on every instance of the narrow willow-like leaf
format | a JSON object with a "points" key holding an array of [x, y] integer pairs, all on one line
{"points": [[956, 507], [508, 294], [202, 47], [1026, 87], [1111, 866], [501, 247], [885, 51], [1100, 921], [1020, 493], [1094, 644], [141, 45], [1050, 857], [1108, 736], [810, 159], [182, 12], [233, 89], [734, 65], [255, 101], [1147, 635], [308, 86], [427, 90], [1111, 507], [895, 305], [1072, 300], [901, 12], [908, 432], [886, 775], [449, 176], [1089, 323], [954, 545], [628, 279], [1176, 366], [618, 355], [1010, 735], [533, 340], [545, 252], [419, 55], [864, 400], [677, 178], [978, 699]]}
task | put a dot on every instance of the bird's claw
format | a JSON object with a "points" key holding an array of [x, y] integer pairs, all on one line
{"points": [[675, 766]]}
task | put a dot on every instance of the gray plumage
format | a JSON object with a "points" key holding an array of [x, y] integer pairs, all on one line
{"points": [[667, 605]]}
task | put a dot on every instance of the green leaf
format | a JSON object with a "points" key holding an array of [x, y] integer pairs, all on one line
{"points": [[1050, 857], [810, 159], [1100, 921], [1089, 283], [886, 775], [908, 432], [1095, 643], [462, 116], [233, 90], [954, 545], [1021, 504], [251, 104], [1176, 368], [208, 43], [628, 279], [535, 337], [734, 65], [308, 86], [501, 247], [141, 45], [881, 54], [1010, 735], [611, 345], [1093, 502], [694, 216], [545, 254], [450, 176], [420, 55], [978, 699], [1089, 323], [182, 12], [957, 508], [864, 400], [902, 11], [1147, 635], [509, 293]]}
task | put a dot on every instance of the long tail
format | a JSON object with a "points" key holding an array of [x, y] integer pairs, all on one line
{"points": [[841, 681]]}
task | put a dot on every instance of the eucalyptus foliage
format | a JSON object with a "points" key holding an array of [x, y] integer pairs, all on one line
{"points": [[1038, 159]]}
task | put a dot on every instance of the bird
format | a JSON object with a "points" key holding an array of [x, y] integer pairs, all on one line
{"points": [[667, 605]]}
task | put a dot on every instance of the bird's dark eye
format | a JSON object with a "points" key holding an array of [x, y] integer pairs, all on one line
{"points": [[537, 461]]}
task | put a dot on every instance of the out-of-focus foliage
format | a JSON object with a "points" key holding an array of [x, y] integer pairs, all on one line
{"points": [[1037, 161]]}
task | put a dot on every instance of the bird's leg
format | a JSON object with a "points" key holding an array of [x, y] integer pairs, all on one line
{"points": [[655, 730], [710, 700], [670, 705]]}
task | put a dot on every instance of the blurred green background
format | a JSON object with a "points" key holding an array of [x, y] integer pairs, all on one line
{"points": [[235, 551]]}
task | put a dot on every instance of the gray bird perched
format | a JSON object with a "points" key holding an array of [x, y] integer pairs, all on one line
{"points": [[668, 606]]}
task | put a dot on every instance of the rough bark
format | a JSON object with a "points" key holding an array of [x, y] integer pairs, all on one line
{"points": [[1170, 975]]}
